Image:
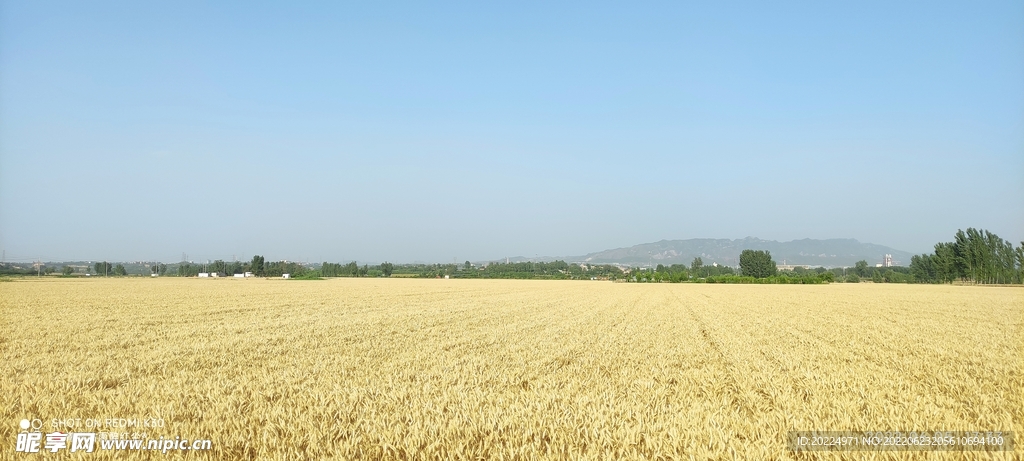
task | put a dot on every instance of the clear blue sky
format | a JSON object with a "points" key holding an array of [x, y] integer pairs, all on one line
{"points": [[404, 132]]}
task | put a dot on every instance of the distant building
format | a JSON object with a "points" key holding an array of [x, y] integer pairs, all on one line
{"points": [[286, 276], [790, 267], [202, 275], [887, 261]]}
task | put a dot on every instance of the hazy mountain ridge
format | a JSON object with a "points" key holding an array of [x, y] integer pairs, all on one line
{"points": [[811, 252], [828, 252]]}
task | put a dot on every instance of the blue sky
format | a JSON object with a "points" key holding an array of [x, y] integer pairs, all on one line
{"points": [[418, 132]]}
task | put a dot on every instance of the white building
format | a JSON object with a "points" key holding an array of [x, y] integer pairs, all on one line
{"points": [[286, 276], [202, 275]]}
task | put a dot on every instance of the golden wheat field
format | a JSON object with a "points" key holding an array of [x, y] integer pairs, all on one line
{"points": [[485, 369]]}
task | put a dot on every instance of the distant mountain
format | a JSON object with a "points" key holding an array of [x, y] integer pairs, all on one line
{"points": [[828, 253]]}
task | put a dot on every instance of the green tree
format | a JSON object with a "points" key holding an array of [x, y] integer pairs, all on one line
{"points": [[1019, 256], [256, 266], [330, 269], [944, 262], [120, 271], [961, 255], [891, 276], [67, 271], [861, 268], [104, 268], [388, 268], [922, 267], [696, 266], [757, 264], [981, 257]]}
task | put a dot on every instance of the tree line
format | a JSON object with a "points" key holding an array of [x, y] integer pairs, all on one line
{"points": [[550, 270], [756, 266], [973, 256], [976, 256], [258, 266], [353, 270]]}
